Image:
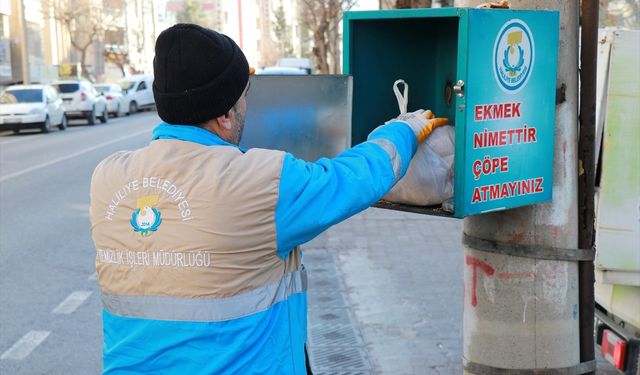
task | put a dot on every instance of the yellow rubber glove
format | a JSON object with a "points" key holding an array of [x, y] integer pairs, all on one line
{"points": [[422, 122], [428, 129]]}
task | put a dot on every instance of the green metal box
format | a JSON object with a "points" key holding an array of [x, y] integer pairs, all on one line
{"points": [[492, 72]]}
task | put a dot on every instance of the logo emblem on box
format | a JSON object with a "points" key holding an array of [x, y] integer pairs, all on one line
{"points": [[513, 56]]}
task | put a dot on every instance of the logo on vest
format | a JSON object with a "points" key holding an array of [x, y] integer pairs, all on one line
{"points": [[513, 56], [146, 219]]}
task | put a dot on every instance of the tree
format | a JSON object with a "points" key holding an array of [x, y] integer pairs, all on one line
{"points": [[323, 19], [620, 13], [403, 4], [83, 20], [282, 32], [191, 13]]}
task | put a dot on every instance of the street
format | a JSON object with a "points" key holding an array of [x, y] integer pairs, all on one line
{"points": [[385, 287], [51, 314]]}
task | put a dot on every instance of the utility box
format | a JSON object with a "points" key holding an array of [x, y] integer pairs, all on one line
{"points": [[492, 72]]}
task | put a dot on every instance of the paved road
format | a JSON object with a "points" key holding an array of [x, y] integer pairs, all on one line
{"points": [[50, 310]]}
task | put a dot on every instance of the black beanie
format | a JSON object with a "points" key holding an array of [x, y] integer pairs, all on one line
{"points": [[199, 74]]}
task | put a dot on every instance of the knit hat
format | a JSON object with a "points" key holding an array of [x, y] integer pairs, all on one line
{"points": [[199, 74]]}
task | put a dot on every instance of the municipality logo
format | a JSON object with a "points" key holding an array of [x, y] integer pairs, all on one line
{"points": [[146, 218], [513, 56]]}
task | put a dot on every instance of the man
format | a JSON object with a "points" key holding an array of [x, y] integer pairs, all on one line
{"points": [[197, 239]]}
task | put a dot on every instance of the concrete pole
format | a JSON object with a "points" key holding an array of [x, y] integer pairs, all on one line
{"points": [[522, 313]]}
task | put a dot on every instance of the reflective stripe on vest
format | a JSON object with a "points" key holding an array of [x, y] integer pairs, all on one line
{"points": [[207, 309], [390, 149]]}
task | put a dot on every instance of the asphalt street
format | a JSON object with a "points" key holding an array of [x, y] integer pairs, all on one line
{"points": [[50, 319]]}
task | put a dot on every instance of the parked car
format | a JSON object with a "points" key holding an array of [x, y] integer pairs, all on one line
{"points": [[113, 94], [31, 106], [81, 100], [138, 93]]}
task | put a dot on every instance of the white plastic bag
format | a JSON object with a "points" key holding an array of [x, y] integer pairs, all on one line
{"points": [[429, 179]]}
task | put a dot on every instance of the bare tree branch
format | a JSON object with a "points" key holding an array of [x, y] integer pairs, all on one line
{"points": [[402, 4], [323, 18], [83, 20]]}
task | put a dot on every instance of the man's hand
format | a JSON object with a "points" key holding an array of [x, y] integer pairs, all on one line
{"points": [[422, 122]]}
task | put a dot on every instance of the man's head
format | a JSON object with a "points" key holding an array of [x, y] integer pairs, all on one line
{"points": [[230, 125], [200, 77]]}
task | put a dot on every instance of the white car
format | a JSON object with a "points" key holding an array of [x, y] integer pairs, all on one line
{"points": [[81, 100], [31, 106], [113, 94], [138, 93]]}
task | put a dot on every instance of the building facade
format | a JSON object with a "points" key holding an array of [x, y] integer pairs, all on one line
{"points": [[5, 47], [265, 29], [252, 24], [125, 32]]}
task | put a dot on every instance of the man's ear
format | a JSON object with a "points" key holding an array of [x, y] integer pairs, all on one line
{"points": [[225, 121]]}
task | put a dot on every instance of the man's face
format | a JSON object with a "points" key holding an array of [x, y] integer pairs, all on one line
{"points": [[239, 111]]}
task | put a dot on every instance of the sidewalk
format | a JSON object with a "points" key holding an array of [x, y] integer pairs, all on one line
{"points": [[400, 284], [385, 296]]}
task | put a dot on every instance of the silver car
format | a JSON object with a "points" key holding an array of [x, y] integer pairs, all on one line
{"points": [[137, 93], [31, 107], [113, 94], [82, 101]]}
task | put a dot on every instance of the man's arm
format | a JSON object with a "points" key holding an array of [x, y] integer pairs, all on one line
{"points": [[315, 196]]}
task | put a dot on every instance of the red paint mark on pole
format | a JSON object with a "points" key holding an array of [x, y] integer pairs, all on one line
{"points": [[475, 263]]}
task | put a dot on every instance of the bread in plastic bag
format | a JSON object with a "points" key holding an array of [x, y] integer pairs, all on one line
{"points": [[429, 179]]}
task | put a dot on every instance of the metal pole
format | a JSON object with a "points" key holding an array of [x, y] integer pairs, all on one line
{"points": [[527, 319], [24, 55], [587, 172]]}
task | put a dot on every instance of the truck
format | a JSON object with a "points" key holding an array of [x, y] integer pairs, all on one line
{"points": [[617, 262]]}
